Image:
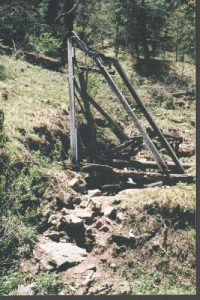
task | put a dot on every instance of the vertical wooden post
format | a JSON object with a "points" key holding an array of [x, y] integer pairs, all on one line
{"points": [[73, 125]]}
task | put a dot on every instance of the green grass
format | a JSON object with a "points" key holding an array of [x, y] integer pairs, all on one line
{"points": [[33, 95], [47, 283]]}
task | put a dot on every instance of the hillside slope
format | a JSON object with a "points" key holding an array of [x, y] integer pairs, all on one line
{"points": [[58, 237]]}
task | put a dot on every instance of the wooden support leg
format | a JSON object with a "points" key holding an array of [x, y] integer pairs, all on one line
{"points": [[149, 118], [147, 140], [73, 125]]}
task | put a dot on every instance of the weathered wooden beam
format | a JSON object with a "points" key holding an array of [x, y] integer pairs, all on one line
{"points": [[143, 165], [87, 69], [113, 188], [128, 143], [95, 70], [97, 168], [120, 96], [73, 125], [137, 176], [147, 115]]}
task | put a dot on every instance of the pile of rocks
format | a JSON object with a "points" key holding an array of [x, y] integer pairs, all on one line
{"points": [[86, 228]]}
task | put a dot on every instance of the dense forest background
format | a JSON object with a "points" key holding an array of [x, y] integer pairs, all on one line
{"points": [[145, 28]]}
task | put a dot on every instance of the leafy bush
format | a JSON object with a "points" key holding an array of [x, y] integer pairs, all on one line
{"points": [[28, 235], [47, 283], [10, 280], [20, 190], [162, 97], [44, 44], [177, 80]]}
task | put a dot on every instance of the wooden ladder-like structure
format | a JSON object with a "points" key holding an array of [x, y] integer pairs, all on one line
{"points": [[102, 62]]}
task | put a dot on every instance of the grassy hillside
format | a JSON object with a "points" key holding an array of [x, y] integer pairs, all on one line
{"points": [[34, 155]]}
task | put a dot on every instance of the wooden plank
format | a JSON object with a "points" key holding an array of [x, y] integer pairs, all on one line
{"points": [[149, 118], [73, 125]]}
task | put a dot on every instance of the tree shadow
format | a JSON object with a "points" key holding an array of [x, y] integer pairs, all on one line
{"points": [[2, 73], [155, 69]]}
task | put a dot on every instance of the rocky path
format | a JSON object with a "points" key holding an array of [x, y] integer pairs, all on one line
{"points": [[89, 235], [85, 234]]}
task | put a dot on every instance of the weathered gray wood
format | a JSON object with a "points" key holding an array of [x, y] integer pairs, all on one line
{"points": [[95, 70], [127, 107], [147, 115], [127, 143], [98, 168], [138, 176], [143, 165], [110, 188], [73, 125]]}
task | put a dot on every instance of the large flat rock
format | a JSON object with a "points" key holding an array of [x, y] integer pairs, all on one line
{"points": [[57, 255]]}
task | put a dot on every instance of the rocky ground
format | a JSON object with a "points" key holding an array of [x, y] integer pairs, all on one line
{"points": [[89, 238]]}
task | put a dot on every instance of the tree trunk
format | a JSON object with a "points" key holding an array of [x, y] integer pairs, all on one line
{"points": [[52, 12], [117, 40], [142, 20], [137, 49], [68, 20]]}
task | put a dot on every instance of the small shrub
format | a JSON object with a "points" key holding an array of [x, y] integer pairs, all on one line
{"points": [[44, 44], [10, 280], [168, 102], [178, 81], [47, 283], [162, 97], [28, 236], [20, 209]]}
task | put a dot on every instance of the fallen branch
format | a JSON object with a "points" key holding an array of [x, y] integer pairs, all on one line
{"points": [[179, 94]]}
